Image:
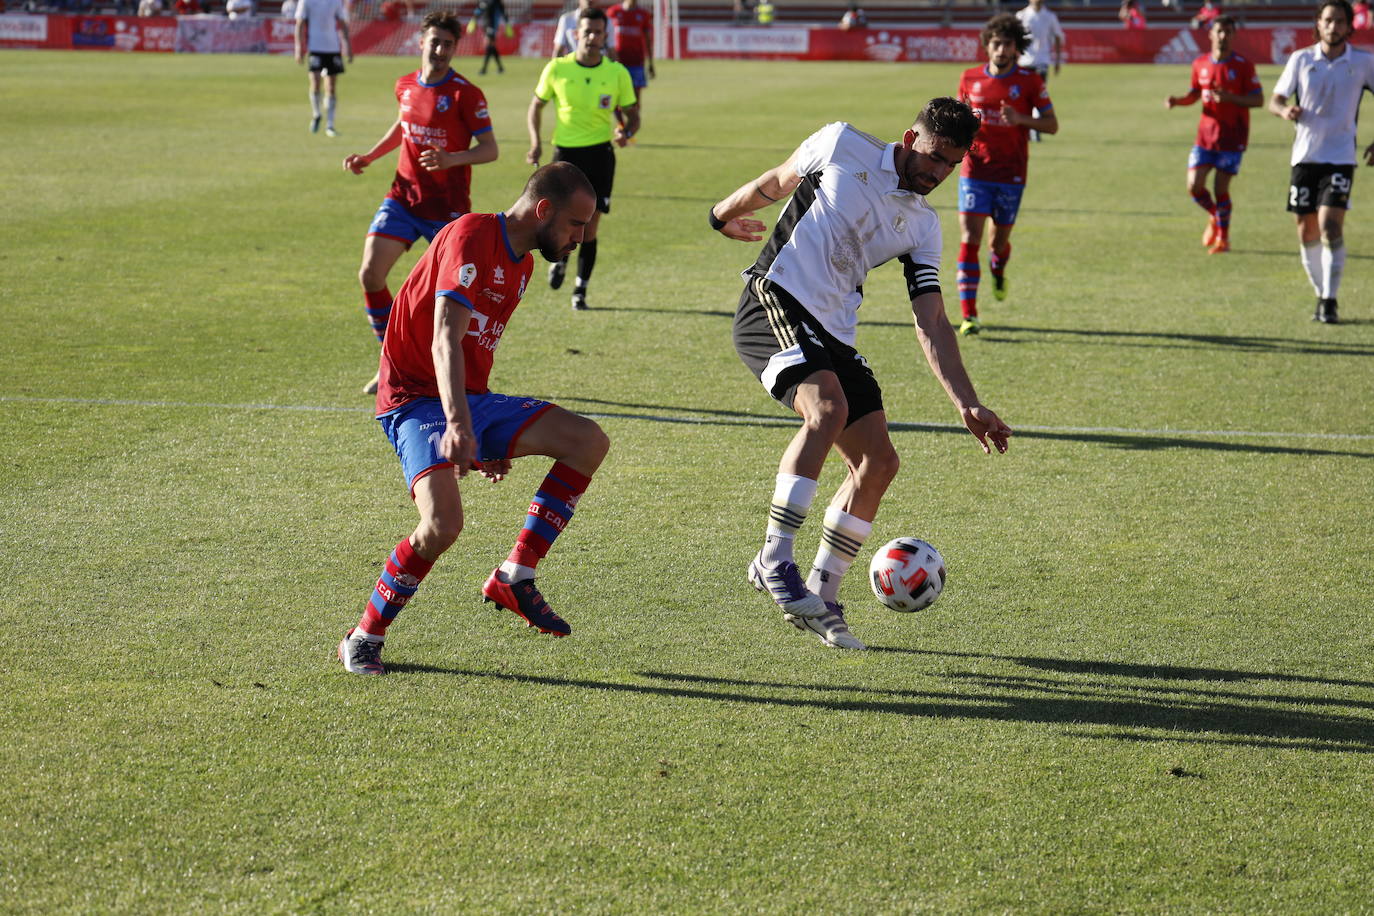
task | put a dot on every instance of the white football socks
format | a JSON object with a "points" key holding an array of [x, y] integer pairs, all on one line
{"points": [[1333, 265], [841, 539], [792, 496]]}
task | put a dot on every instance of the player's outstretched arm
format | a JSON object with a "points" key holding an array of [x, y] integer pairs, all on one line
{"points": [[1174, 101], [485, 150], [451, 321], [941, 347], [1278, 105], [345, 40], [731, 217], [390, 140], [533, 120], [300, 41]]}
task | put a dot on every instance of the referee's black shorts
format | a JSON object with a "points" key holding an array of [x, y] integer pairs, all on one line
{"points": [[782, 344], [597, 163]]}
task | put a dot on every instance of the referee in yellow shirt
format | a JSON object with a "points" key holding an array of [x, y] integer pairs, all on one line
{"points": [[589, 88]]}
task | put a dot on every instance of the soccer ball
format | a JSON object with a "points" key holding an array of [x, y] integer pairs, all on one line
{"points": [[907, 574]]}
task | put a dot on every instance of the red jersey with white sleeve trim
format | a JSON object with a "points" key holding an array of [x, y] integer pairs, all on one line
{"points": [[446, 114], [1000, 150], [1224, 127], [470, 261], [631, 37]]}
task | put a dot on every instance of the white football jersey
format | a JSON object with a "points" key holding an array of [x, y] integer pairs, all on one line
{"points": [[1329, 92], [846, 217], [1042, 26], [321, 35]]}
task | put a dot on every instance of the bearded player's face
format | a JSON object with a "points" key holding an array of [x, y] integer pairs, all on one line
{"points": [[562, 230], [929, 161], [1333, 27], [437, 46], [1001, 53]]}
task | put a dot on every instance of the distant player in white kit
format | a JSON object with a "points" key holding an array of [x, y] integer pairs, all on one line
{"points": [[1326, 82], [322, 30], [1047, 43]]}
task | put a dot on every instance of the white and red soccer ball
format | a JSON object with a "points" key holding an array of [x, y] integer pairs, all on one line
{"points": [[907, 574]]}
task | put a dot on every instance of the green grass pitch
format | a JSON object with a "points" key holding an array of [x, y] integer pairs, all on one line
{"points": [[1148, 687]]}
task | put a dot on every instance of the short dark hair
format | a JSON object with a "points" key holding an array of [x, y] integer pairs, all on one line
{"points": [[1006, 26], [949, 119], [558, 183], [1227, 20], [440, 19], [593, 13], [1321, 8]]}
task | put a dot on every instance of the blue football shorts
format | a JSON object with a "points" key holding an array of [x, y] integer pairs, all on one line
{"points": [[1000, 201], [1222, 162], [637, 77], [394, 221], [416, 427]]}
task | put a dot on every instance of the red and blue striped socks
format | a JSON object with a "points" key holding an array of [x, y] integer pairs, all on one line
{"points": [[377, 304], [549, 513], [405, 570]]}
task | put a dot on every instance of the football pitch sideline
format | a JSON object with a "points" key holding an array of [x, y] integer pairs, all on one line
{"points": [[1148, 685]]}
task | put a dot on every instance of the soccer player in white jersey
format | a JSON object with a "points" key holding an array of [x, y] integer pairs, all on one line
{"points": [[1047, 43], [856, 203], [1326, 82], [322, 30]]}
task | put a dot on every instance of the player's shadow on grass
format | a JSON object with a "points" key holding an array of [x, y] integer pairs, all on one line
{"points": [[1212, 717], [1135, 441], [710, 313], [1166, 340]]}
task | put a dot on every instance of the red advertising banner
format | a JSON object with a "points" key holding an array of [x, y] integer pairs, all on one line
{"points": [[216, 34], [1098, 46], [89, 33]]}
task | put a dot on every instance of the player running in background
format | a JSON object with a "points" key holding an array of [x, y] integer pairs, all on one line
{"points": [[856, 203], [436, 408], [1327, 81], [1047, 43], [1229, 88], [1009, 100], [443, 130], [565, 30], [588, 87], [322, 29], [632, 38]]}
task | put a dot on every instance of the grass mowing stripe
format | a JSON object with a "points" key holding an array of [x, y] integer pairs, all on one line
{"points": [[737, 420]]}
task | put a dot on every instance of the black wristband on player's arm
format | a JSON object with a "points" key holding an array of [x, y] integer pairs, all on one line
{"points": [[716, 222]]}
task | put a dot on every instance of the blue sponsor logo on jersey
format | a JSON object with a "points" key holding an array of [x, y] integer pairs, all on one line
{"points": [[443, 104]]}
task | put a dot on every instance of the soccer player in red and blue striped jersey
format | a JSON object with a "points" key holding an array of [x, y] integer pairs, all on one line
{"points": [[1010, 101], [443, 129], [1228, 87], [434, 403]]}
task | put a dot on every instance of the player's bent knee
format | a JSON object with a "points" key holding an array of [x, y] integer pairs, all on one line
{"points": [[438, 533], [881, 467]]}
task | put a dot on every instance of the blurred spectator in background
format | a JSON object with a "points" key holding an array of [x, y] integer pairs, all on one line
{"points": [[288, 9], [854, 17], [239, 9], [565, 32], [763, 12], [150, 7], [1130, 14], [1360, 18], [1204, 17], [187, 7]]}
